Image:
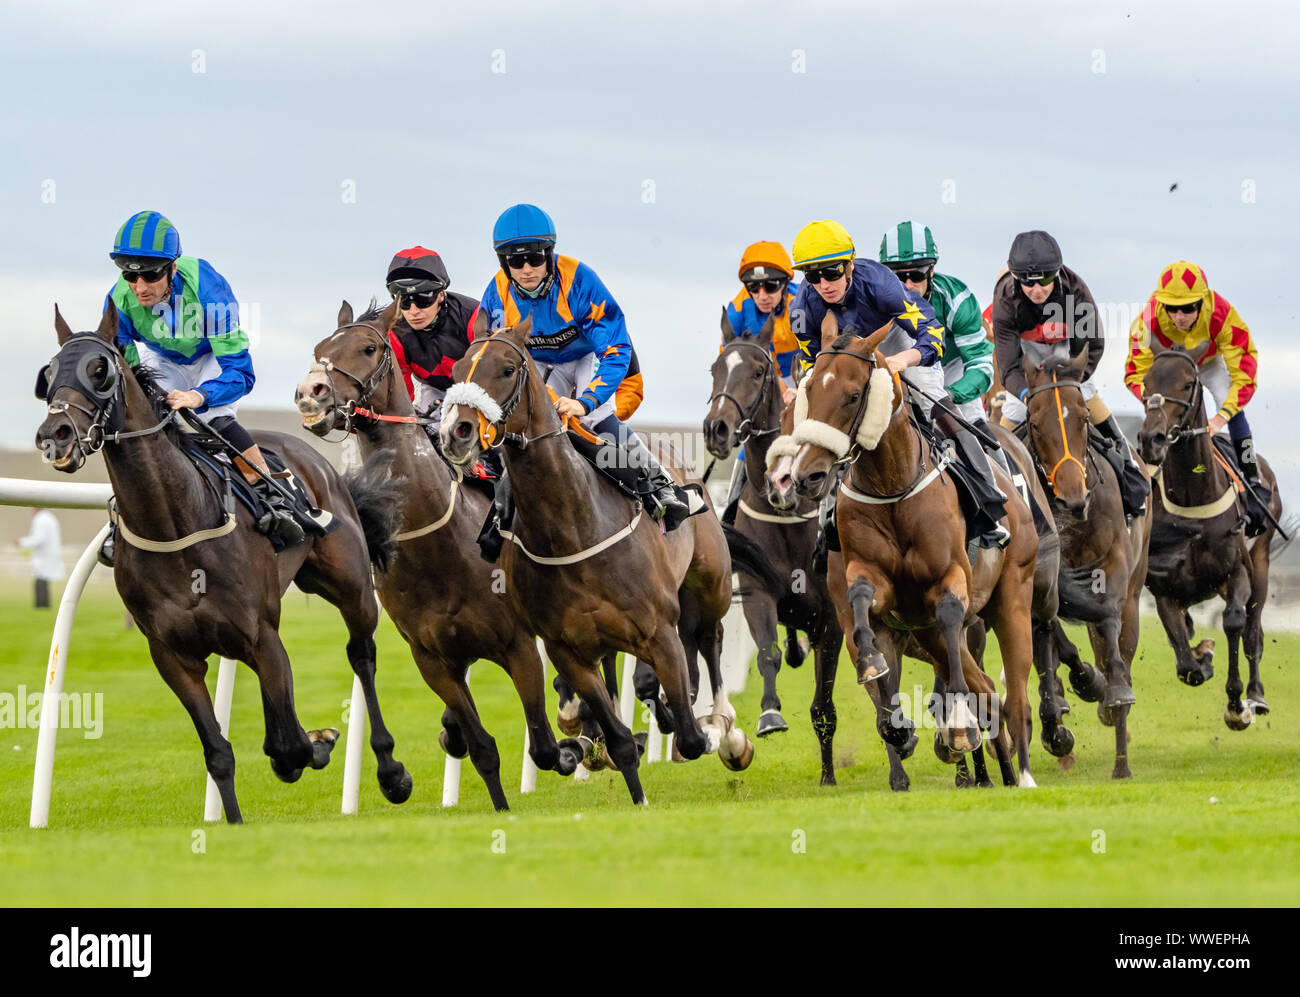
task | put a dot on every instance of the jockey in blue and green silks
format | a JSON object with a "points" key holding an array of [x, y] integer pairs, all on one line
{"points": [[579, 333], [179, 317]]}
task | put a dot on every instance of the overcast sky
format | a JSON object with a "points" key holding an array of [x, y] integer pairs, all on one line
{"points": [[297, 147]]}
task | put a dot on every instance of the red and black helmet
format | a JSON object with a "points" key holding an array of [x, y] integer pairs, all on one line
{"points": [[417, 271]]}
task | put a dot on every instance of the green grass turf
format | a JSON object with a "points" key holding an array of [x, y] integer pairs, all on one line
{"points": [[126, 807]]}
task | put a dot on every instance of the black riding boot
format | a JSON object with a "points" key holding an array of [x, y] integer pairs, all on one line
{"points": [[634, 469], [733, 495], [989, 499], [500, 514], [1256, 503], [1134, 487], [278, 519], [995, 451]]}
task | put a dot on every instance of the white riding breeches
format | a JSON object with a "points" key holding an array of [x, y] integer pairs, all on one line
{"points": [[571, 378], [173, 376], [1014, 410]]}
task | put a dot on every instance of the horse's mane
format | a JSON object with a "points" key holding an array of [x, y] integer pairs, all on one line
{"points": [[845, 340], [147, 378], [372, 313]]}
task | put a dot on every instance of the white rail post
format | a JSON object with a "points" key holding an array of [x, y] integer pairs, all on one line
{"points": [[221, 707], [528, 776], [451, 773], [43, 778], [356, 745]]}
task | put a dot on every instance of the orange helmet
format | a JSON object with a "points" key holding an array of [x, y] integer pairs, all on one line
{"points": [[769, 258], [1182, 283]]}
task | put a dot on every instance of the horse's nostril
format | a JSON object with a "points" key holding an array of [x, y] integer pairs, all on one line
{"points": [[63, 433], [318, 390], [462, 431]]}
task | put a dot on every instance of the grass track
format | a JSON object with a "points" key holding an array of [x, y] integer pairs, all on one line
{"points": [[126, 806]]}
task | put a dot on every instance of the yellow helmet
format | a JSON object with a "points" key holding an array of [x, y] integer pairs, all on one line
{"points": [[1182, 283], [822, 242]]}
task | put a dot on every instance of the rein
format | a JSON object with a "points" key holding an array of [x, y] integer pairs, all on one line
{"points": [[1055, 387]]}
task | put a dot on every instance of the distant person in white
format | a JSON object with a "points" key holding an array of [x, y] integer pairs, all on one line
{"points": [[44, 544]]}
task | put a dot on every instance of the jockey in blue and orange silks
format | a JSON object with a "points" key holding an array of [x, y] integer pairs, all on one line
{"points": [[581, 340]]}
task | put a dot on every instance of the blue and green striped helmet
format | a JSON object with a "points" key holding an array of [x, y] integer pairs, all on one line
{"points": [[908, 242], [146, 235]]}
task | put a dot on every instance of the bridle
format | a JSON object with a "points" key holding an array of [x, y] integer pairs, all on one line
{"points": [[353, 407], [745, 429], [1055, 387], [492, 434], [856, 425], [1180, 430], [106, 417]]}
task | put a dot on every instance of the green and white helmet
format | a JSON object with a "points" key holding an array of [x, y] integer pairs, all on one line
{"points": [[909, 242]]}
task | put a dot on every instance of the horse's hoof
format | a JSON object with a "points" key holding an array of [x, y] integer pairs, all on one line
{"points": [[568, 756], [400, 790], [322, 743], [454, 749], [964, 779], [771, 722], [943, 752], [567, 719], [1258, 705], [1119, 694], [1121, 772], [737, 761], [1060, 742], [905, 749], [1192, 676], [828, 779], [1088, 683], [287, 775], [965, 739], [873, 668], [1240, 720], [1027, 780], [900, 783]]}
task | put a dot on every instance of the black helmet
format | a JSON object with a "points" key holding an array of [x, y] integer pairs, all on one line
{"points": [[417, 271], [1034, 255]]}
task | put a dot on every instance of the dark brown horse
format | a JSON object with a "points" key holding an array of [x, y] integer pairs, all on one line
{"points": [[220, 593], [907, 570], [585, 567], [446, 601], [1198, 546], [745, 410], [1103, 556]]}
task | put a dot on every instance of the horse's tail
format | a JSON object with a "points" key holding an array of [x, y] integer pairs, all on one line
{"points": [[377, 496], [1290, 524], [748, 559]]}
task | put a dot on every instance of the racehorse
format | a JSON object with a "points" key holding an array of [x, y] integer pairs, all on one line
{"points": [[1198, 548], [586, 569], [193, 573], [745, 410], [903, 535], [438, 590], [1103, 556]]}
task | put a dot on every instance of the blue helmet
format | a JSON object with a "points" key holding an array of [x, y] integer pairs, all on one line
{"points": [[146, 235], [523, 224]]}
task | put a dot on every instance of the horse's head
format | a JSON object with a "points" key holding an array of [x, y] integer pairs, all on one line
{"points": [[1058, 420], [484, 406], [744, 380], [1172, 393], [845, 402], [353, 367], [82, 389]]}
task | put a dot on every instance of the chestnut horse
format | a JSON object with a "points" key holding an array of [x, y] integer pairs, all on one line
{"points": [[1103, 557], [1198, 547], [162, 499], [745, 410], [438, 590], [585, 568], [903, 535]]}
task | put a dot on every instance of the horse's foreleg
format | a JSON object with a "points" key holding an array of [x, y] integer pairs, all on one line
{"points": [[870, 663], [583, 678], [287, 745], [1088, 683], [826, 659], [949, 624], [664, 653], [1058, 739], [1254, 632], [524, 666], [448, 682], [1192, 667], [184, 676], [760, 615], [394, 780], [1009, 610], [566, 714], [1237, 715]]}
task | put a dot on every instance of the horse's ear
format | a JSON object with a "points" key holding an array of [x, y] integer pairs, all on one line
{"points": [[728, 333], [1035, 354], [520, 333], [387, 317], [1198, 353], [878, 337], [830, 329], [107, 330], [60, 326], [1078, 364], [480, 324], [345, 314], [765, 334]]}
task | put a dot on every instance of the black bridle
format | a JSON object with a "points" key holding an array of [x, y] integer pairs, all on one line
{"points": [[366, 387], [517, 394], [1180, 430], [70, 368], [745, 429]]}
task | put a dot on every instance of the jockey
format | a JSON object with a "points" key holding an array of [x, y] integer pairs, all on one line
{"points": [[1184, 312], [766, 274], [433, 330], [909, 250], [178, 316], [1039, 299], [581, 340], [866, 296]]}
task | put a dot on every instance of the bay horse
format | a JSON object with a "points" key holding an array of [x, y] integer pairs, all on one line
{"points": [[445, 600], [745, 410], [218, 588], [584, 567], [1103, 556], [903, 535], [1198, 546]]}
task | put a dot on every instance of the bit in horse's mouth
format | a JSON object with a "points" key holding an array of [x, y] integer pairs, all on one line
{"points": [[314, 420]]}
